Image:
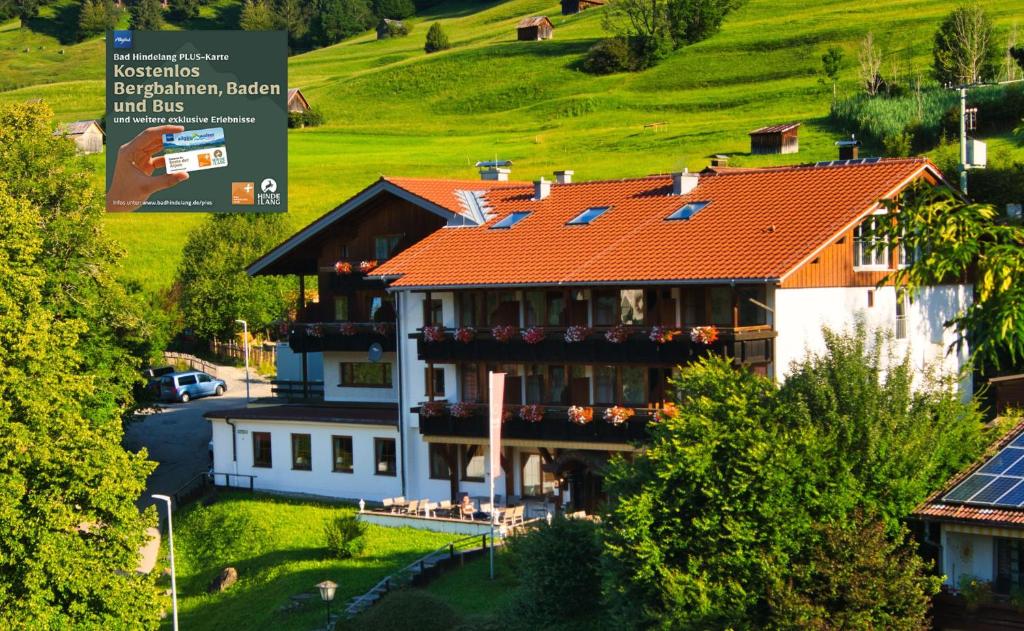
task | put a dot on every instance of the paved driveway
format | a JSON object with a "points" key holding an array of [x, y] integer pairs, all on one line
{"points": [[178, 437]]}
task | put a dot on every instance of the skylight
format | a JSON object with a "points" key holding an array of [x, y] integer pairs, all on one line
{"points": [[688, 210], [588, 216], [511, 220]]}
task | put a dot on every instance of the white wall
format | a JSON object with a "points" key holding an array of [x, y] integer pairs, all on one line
{"points": [[321, 480], [333, 392], [289, 364], [967, 554], [801, 313]]}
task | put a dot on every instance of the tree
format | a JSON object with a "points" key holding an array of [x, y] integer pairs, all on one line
{"points": [[645, 25], [292, 18], [256, 16], [96, 17], [950, 238], [69, 528], [26, 10], [394, 9], [146, 15], [870, 65], [1017, 52], [215, 290], [692, 21], [965, 49], [831, 62], [437, 39], [341, 19], [184, 9], [1013, 60]]}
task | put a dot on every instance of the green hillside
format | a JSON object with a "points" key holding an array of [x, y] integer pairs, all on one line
{"points": [[392, 109]]}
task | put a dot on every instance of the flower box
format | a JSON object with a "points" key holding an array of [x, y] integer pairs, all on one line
{"points": [[532, 413], [432, 409], [704, 334], [662, 334], [465, 334], [576, 333], [580, 415], [617, 415], [367, 266], [347, 328], [503, 332], [617, 334], [433, 334], [463, 410], [342, 267]]}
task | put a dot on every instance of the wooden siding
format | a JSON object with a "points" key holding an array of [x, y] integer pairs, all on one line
{"points": [[833, 267], [90, 141]]}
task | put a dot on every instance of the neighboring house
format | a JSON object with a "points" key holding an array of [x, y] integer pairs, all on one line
{"points": [[765, 255], [977, 519], [87, 135], [783, 138], [535, 28], [297, 101], [571, 7]]}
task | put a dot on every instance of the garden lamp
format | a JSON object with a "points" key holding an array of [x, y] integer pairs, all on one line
{"points": [[327, 594]]}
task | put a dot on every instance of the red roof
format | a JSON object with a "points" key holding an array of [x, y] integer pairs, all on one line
{"points": [[774, 129], [935, 509], [760, 225], [450, 194]]}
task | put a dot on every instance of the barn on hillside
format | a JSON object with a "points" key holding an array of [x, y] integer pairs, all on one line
{"points": [[535, 28], [296, 101], [782, 138], [572, 7], [87, 135]]}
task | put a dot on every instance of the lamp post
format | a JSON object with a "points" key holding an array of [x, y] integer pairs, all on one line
{"points": [[170, 547], [327, 595], [245, 340]]}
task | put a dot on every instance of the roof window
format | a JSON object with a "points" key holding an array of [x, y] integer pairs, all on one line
{"points": [[688, 210], [511, 220], [588, 216]]}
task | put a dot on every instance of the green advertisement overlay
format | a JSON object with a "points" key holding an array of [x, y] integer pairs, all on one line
{"points": [[197, 121]]}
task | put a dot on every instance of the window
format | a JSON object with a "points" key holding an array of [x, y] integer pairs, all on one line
{"points": [[604, 385], [907, 258], [558, 391], [473, 463], [606, 308], [468, 302], [384, 246], [382, 309], [187, 380], [510, 220], [534, 302], [688, 210], [556, 308], [204, 378], [588, 216], [384, 456], [502, 308], [865, 252], [534, 384], [634, 389], [365, 374], [536, 481], [1009, 565], [435, 377], [261, 450], [439, 469], [341, 308], [721, 306], [302, 452], [631, 306], [752, 314], [469, 383], [433, 312], [901, 315], [342, 451]]}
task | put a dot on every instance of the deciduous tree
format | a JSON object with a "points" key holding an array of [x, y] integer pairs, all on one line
{"points": [[965, 49]]}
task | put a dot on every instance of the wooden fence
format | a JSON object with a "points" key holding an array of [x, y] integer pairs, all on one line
{"points": [[258, 354], [191, 361]]}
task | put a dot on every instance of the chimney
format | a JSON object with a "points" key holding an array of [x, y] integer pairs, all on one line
{"points": [[719, 160], [495, 171], [541, 189], [563, 177], [684, 182], [848, 149]]}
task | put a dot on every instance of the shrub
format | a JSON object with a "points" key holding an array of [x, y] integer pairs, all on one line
{"points": [[394, 28], [975, 591], [346, 536], [437, 39], [608, 56], [558, 569], [311, 118], [409, 609], [898, 145]]}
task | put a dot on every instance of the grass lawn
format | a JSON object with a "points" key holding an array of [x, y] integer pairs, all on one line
{"points": [[470, 590], [277, 546], [392, 109]]}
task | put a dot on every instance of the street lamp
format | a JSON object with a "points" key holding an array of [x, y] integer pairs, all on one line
{"points": [[327, 595], [245, 340], [170, 547]]}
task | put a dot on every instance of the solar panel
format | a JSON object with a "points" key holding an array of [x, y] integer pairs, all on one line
{"points": [[998, 482]]}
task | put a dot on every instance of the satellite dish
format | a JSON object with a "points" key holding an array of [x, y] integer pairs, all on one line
{"points": [[375, 353]]}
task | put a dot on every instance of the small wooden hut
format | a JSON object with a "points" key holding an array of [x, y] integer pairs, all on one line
{"points": [[296, 101], [572, 7], [87, 135], [391, 28], [535, 28], [782, 138]]}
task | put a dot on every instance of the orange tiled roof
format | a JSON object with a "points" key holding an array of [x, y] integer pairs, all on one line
{"points": [[449, 194], [760, 224], [935, 509]]}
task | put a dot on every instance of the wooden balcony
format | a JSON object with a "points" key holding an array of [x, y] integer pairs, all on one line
{"points": [[316, 337], [555, 426], [745, 345]]}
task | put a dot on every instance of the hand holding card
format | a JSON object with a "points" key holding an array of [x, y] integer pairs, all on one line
{"points": [[133, 180]]}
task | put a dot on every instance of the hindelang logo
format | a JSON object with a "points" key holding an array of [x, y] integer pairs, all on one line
{"points": [[268, 195], [122, 39]]}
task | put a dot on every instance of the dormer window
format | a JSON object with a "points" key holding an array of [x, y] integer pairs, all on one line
{"points": [[866, 251], [588, 216], [688, 210], [510, 220]]}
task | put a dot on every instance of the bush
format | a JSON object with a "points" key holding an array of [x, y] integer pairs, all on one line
{"points": [[558, 568], [975, 591], [608, 56], [409, 609], [898, 145], [314, 117], [346, 536], [437, 39]]}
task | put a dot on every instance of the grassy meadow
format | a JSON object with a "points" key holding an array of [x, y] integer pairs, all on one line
{"points": [[391, 109]]}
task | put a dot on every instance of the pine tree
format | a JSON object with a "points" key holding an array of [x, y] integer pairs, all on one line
{"points": [[437, 39], [95, 17], [147, 15], [184, 9], [256, 16]]}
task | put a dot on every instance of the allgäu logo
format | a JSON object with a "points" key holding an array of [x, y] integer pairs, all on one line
{"points": [[122, 39]]}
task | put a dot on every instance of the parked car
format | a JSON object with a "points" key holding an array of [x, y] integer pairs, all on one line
{"points": [[153, 376], [188, 385]]}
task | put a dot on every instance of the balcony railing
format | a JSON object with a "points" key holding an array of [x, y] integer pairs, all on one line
{"points": [[555, 425], [315, 337], [628, 345]]}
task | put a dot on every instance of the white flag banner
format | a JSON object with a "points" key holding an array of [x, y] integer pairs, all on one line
{"points": [[497, 398]]}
